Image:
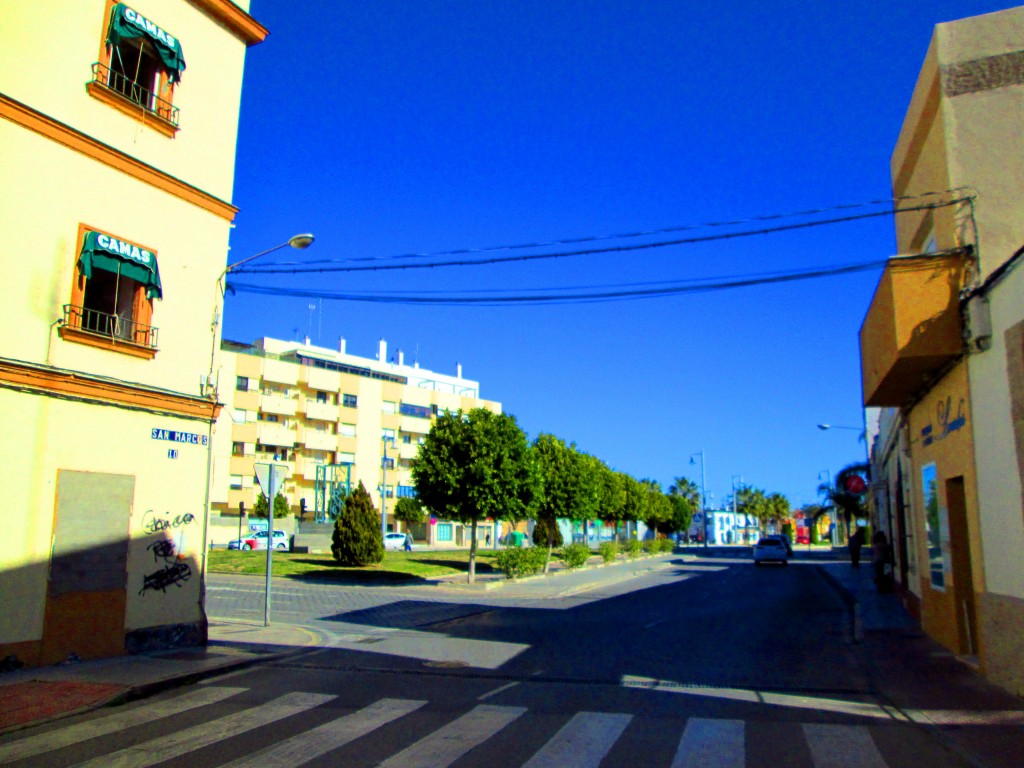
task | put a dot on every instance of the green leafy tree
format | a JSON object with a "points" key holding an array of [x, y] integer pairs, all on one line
{"points": [[475, 465], [611, 495], [409, 511], [568, 487], [635, 507], [357, 539], [546, 534], [684, 497], [280, 506], [658, 510], [753, 502]]}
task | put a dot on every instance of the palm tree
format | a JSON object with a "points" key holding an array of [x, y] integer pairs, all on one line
{"points": [[843, 495]]}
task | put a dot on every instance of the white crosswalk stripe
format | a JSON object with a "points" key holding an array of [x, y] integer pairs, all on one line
{"points": [[101, 726], [190, 739], [582, 742], [449, 743], [711, 744], [842, 746], [329, 736]]}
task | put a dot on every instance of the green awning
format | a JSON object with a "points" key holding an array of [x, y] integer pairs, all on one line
{"points": [[104, 252], [128, 23]]}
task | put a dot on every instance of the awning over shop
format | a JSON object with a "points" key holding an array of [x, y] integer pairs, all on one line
{"points": [[126, 23], [104, 252]]}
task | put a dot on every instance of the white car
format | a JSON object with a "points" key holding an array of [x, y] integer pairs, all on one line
{"points": [[770, 550], [258, 540], [395, 540]]}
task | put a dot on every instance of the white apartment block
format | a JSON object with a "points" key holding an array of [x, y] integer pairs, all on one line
{"points": [[306, 407]]}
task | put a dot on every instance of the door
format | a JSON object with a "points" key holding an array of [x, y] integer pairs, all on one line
{"points": [[963, 574]]}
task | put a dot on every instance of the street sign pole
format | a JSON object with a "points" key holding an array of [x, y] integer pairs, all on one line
{"points": [[270, 477]]}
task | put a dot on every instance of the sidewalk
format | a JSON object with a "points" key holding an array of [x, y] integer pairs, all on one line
{"points": [[924, 682], [38, 695]]}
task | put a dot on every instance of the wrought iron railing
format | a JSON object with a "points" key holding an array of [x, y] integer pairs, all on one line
{"points": [[109, 326], [131, 90]]}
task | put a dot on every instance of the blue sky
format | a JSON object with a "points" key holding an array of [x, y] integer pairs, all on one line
{"points": [[390, 128]]}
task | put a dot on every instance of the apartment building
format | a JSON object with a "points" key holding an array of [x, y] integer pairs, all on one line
{"points": [[942, 349], [329, 414], [118, 166]]}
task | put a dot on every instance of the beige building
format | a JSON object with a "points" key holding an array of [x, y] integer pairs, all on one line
{"points": [[942, 349], [118, 169], [329, 414]]}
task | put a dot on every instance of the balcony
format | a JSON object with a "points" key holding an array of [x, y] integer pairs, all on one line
{"points": [[322, 411], [125, 94], [109, 331], [317, 440], [275, 434], [278, 404], [913, 327]]}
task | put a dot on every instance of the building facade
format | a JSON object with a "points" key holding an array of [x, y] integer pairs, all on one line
{"points": [[942, 349], [118, 171], [342, 417]]}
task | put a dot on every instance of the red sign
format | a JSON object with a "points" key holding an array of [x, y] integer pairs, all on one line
{"points": [[855, 484]]}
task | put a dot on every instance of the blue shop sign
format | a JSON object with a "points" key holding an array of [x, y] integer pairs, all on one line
{"points": [[179, 437]]}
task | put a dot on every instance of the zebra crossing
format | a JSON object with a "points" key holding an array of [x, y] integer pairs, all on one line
{"points": [[585, 739]]}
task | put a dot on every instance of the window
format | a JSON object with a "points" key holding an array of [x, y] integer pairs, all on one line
{"points": [[444, 531], [242, 383], [347, 430], [268, 417], [349, 401], [407, 439], [419, 411], [236, 482], [239, 416], [238, 449], [387, 407], [111, 299], [388, 434], [388, 463], [406, 492], [389, 492], [139, 65], [346, 458], [321, 397]]}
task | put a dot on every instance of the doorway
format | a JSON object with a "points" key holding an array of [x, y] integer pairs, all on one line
{"points": [[963, 574]]}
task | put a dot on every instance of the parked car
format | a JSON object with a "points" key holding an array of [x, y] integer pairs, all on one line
{"points": [[395, 540], [258, 540], [784, 539], [770, 550]]}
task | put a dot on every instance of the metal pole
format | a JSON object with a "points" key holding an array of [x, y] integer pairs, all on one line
{"points": [[384, 493], [704, 495], [271, 495]]}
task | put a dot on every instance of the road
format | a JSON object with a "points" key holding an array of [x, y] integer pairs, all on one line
{"points": [[715, 663]]}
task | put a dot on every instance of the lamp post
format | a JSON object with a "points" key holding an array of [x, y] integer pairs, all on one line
{"points": [[384, 488], [209, 390], [732, 481], [703, 493]]}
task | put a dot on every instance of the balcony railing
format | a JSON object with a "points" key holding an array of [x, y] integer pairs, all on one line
{"points": [[135, 93], [108, 326]]}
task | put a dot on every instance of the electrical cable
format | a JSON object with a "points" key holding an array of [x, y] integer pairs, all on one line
{"points": [[627, 235], [301, 269], [745, 281]]}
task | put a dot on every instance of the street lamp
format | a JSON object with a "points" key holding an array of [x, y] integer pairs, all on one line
{"points": [[703, 493], [384, 487], [209, 389], [732, 481]]}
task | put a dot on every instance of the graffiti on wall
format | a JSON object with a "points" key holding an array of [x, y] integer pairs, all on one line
{"points": [[173, 570]]}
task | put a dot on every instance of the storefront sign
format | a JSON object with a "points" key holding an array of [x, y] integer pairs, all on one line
{"points": [[947, 420]]}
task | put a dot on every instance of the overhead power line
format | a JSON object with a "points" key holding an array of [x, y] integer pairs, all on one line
{"points": [[961, 191], [314, 269], [661, 291]]}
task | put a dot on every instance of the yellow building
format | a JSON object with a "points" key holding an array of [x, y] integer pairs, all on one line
{"points": [[118, 167], [942, 349], [314, 409]]}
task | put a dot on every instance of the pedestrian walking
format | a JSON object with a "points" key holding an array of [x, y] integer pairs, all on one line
{"points": [[408, 542], [856, 542], [880, 559]]}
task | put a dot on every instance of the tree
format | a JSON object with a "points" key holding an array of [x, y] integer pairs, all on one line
{"points": [[568, 486], [684, 497], [752, 502], [280, 506], [409, 511], [777, 507], [357, 539], [635, 507], [611, 495], [475, 465], [844, 495]]}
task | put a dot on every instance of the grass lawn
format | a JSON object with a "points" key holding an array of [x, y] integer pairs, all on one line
{"points": [[398, 566]]}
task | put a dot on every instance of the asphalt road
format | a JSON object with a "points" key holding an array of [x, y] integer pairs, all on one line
{"points": [[717, 664]]}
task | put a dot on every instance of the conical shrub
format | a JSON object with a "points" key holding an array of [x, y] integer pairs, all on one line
{"points": [[357, 539]]}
